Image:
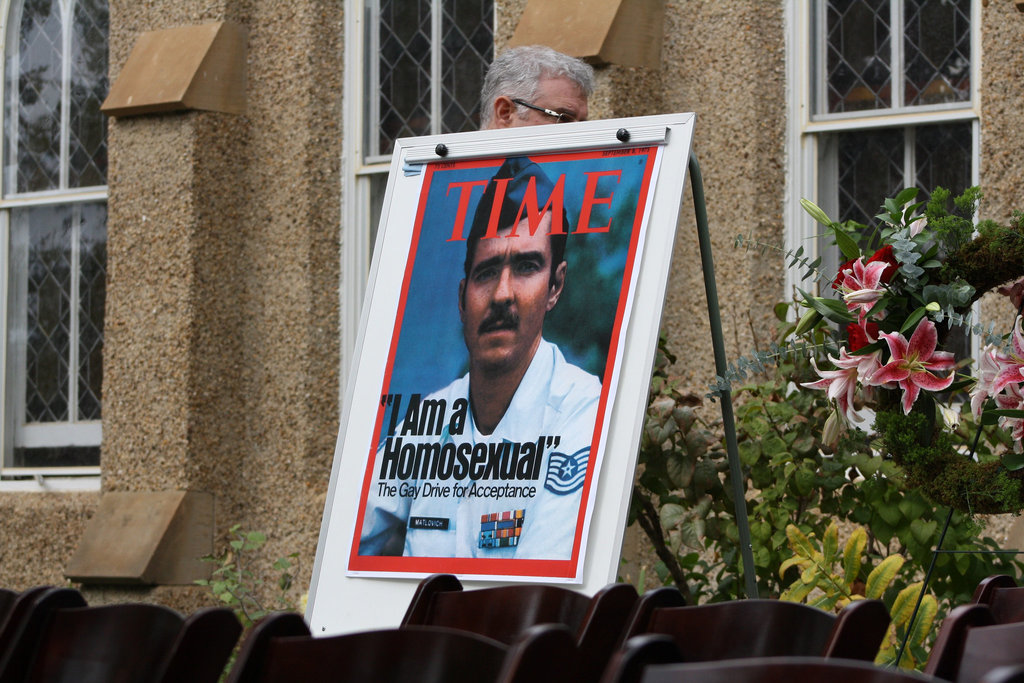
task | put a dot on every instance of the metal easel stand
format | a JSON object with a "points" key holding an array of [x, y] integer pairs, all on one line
{"points": [[721, 365]]}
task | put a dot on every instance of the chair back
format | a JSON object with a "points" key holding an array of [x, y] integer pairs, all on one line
{"points": [[970, 646], [744, 628], [947, 652], [780, 670], [1003, 596], [7, 600], [126, 643], [277, 651], [665, 596], [26, 624], [505, 612]]}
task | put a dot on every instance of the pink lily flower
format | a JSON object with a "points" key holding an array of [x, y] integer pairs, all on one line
{"points": [[1011, 366], [913, 362], [1011, 399], [988, 369], [842, 383], [861, 284]]}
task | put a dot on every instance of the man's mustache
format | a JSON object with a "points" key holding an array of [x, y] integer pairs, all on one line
{"points": [[499, 318]]}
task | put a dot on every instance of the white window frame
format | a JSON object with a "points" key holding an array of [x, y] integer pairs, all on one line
{"points": [[74, 432], [358, 167], [803, 151]]}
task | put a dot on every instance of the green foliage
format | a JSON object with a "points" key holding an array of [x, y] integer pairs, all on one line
{"points": [[236, 584], [831, 580], [682, 498]]}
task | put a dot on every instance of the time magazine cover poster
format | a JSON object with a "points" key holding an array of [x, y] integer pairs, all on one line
{"points": [[502, 367]]}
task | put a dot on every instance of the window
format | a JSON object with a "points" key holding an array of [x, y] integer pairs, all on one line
{"points": [[53, 222], [884, 98], [413, 67]]}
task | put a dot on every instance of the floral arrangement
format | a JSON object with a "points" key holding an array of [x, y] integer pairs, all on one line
{"points": [[905, 285]]}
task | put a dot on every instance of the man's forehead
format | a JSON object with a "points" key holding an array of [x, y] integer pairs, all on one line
{"points": [[522, 242]]}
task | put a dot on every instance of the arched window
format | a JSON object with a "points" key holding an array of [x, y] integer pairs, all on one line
{"points": [[53, 219]]}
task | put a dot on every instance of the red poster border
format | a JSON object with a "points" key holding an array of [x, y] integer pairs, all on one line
{"points": [[560, 569]]}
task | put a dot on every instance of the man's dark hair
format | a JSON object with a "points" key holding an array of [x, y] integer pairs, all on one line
{"points": [[520, 170]]}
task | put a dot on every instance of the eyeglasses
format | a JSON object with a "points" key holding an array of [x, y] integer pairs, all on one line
{"points": [[562, 117]]}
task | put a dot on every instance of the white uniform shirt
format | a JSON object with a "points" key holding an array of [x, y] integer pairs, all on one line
{"points": [[554, 399]]}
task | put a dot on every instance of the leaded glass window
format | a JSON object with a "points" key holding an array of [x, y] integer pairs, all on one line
{"points": [[417, 67], [425, 62], [54, 214], [877, 58], [890, 55]]}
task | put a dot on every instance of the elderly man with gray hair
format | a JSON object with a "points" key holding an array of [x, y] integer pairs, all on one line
{"points": [[534, 84]]}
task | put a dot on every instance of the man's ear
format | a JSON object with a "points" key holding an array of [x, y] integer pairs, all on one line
{"points": [[557, 284], [462, 299], [504, 112]]}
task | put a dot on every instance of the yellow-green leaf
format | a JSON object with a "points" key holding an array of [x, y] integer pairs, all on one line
{"points": [[903, 605], [925, 619], [799, 542], [797, 591], [883, 575], [791, 562], [830, 544], [855, 546]]}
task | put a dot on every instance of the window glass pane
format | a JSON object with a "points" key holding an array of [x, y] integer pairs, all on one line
{"points": [[858, 44], [69, 456], [403, 71], [943, 157], [378, 186], [47, 231], [937, 51], [34, 83], [870, 166], [87, 135], [92, 293], [467, 49]]}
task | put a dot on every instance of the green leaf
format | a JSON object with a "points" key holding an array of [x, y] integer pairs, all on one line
{"points": [[912, 320], [799, 542], [882, 575], [924, 532], [846, 244], [905, 196], [831, 309], [830, 544], [797, 591], [852, 552], [903, 605], [926, 619], [1013, 461]]}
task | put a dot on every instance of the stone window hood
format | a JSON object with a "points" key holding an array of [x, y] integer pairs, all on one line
{"points": [[146, 538], [623, 32], [179, 69]]}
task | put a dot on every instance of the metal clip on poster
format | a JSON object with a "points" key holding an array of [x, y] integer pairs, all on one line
{"points": [[725, 396]]}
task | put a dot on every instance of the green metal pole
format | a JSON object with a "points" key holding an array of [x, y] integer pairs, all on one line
{"points": [[725, 396]]}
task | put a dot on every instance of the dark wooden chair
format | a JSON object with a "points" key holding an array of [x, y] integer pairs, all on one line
{"points": [[504, 612], [123, 643], [7, 599], [781, 670], [770, 628], [656, 598], [971, 645], [21, 633], [1004, 674], [1003, 596], [280, 649]]}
